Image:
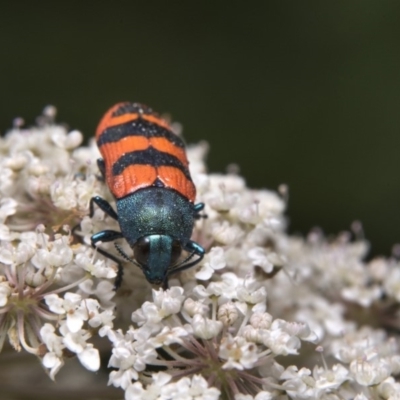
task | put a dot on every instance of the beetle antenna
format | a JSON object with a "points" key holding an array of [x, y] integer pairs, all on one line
{"points": [[179, 264], [125, 256]]}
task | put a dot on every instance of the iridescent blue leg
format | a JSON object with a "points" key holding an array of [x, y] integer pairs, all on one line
{"points": [[194, 249], [103, 205], [109, 236], [197, 208]]}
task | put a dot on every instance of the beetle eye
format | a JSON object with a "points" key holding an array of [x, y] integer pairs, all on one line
{"points": [[141, 251], [176, 251]]}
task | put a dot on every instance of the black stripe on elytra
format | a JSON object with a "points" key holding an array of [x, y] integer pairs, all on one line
{"points": [[150, 156], [129, 108], [137, 127]]}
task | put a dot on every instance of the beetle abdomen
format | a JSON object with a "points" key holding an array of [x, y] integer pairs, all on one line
{"points": [[140, 150]]}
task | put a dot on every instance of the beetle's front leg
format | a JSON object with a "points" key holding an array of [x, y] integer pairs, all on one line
{"points": [[109, 236], [195, 249], [103, 205]]}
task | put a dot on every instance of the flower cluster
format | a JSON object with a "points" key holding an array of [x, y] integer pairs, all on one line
{"points": [[221, 331], [265, 315], [42, 195]]}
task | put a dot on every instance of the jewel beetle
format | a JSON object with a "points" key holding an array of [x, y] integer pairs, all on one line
{"points": [[146, 169]]}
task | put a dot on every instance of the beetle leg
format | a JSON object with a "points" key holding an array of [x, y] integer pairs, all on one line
{"points": [[165, 284], [102, 169], [109, 236], [194, 249], [197, 208], [103, 205]]}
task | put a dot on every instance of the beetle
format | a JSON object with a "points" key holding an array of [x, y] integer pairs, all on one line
{"points": [[146, 169]]}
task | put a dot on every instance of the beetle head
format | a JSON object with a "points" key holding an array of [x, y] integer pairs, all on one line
{"points": [[156, 254]]}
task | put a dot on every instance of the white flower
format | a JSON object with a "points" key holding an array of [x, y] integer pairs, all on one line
{"points": [[67, 141], [222, 201], [214, 260], [8, 206], [6, 182], [295, 328], [99, 268], [389, 389], [60, 254], [252, 294], [72, 306], [263, 395], [192, 307], [165, 304], [362, 345], [194, 388], [228, 313], [168, 336], [392, 283], [4, 232], [89, 358], [261, 320], [5, 292], [122, 378], [104, 291], [129, 357], [280, 342], [226, 289], [239, 353], [205, 328], [330, 378], [227, 234], [53, 359], [299, 384], [361, 396], [153, 391], [169, 301], [260, 258], [364, 296], [104, 318], [370, 372]]}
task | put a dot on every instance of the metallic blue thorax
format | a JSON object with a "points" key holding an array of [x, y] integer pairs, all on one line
{"points": [[155, 211]]}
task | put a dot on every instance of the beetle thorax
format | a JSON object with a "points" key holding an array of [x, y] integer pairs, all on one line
{"points": [[155, 211]]}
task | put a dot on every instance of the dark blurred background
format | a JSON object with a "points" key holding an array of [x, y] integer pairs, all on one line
{"points": [[305, 93]]}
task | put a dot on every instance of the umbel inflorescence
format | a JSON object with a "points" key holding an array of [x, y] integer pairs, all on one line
{"points": [[265, 315]]}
